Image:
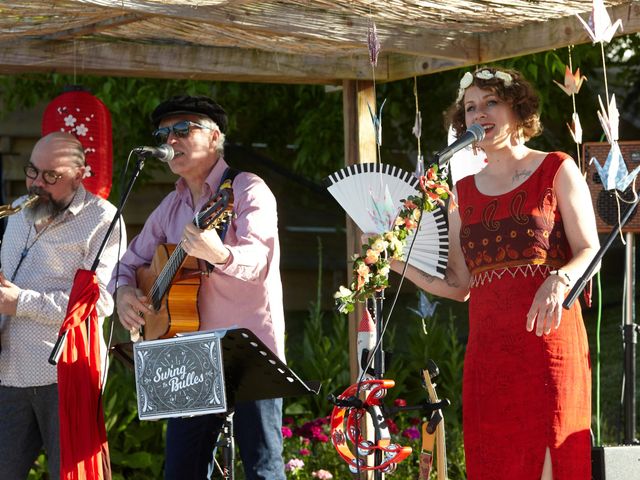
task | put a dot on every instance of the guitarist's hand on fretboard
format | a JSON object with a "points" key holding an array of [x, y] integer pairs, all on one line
{"points": [[131, 306], [204, 244]]}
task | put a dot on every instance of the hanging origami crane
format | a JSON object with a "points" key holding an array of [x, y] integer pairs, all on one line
{"points": [[426, 308], [373, 43], [572, 81], [613, 173], [417, 132], [377, 122], [600, 28], [571, 86], [575, 128], [609, 119]]}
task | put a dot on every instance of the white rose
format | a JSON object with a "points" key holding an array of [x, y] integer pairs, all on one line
{"points": [[505, 77], [466, 80], [484, 75]]}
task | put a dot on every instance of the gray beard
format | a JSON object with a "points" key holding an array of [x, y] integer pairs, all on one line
{"points": [[43, 211]]}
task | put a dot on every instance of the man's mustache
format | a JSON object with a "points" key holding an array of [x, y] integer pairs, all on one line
{"points": [[41, 193]]}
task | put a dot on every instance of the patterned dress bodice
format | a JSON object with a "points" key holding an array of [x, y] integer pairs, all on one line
{"points": [[519, 231]]}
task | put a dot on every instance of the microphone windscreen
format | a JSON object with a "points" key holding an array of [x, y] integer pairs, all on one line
{"points": [[477, 131]]}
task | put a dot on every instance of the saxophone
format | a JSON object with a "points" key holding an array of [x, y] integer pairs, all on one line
{"points": [[6, 210]]}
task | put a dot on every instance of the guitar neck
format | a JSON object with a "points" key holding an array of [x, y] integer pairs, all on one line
{"points": [[166, 276], [214, 213]]}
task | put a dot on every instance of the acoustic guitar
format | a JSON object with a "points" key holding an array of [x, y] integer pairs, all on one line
{"points": [[172, 281]]}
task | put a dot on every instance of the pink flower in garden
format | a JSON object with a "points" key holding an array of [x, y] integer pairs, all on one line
{"points": [[400, 402], [414, 420], [313, 430], [294, 465], [286, 432], [304, 451], [322, 475], [412, 433], [288, 420]]}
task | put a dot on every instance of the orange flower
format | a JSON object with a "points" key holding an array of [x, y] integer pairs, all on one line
{"points": [[409, 223], [363, 270], [410, 204], [372, 257]]}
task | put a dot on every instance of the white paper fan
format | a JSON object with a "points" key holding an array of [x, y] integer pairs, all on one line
{"points": [[371, 194]]}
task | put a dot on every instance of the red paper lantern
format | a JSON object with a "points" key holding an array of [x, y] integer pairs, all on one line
{"points": [[80, 113]]}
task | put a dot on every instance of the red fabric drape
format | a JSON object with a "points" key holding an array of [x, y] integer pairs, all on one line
{"points": [[83, 437]]}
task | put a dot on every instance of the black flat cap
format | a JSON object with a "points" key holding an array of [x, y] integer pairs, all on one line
{"points": [[200, 105]]}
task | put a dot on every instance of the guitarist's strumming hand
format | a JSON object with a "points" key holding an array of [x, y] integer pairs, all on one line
{"points": [[132, 305], [204, 244]]}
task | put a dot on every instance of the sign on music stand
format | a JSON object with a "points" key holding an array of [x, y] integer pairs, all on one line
{"points": [[179, 377]]}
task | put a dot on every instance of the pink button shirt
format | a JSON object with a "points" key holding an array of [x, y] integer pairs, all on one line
{"points": [[246, 291]]}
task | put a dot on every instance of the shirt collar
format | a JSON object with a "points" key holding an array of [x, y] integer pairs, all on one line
{"points": [[78, 200], [212, 180]]}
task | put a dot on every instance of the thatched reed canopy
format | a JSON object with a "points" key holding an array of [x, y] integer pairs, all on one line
{"points": [[295, 41]]}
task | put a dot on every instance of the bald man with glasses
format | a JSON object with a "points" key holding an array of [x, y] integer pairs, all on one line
{"points": [[43, 247]]}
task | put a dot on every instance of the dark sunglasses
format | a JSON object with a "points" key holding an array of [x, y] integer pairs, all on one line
{"points": [[180, 130], [49, 176]]}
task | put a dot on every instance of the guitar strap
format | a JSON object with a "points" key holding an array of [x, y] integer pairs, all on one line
{"points": [[229, 175]]}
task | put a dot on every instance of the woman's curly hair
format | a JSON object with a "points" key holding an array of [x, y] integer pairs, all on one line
{"points": [[519, 94]]}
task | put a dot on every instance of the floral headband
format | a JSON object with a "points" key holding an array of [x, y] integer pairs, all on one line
{"points": [[467, 79]]}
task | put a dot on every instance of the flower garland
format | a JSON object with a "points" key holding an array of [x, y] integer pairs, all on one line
{"points": [[484, 74], [371, 268]]}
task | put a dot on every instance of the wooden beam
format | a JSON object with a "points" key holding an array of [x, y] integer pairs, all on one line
{"points": [[497, 45], [179, 61], [93, 28], [540, 37], [405, 66]]}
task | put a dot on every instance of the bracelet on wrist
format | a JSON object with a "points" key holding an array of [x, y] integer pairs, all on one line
{"points": [[564, 276]]}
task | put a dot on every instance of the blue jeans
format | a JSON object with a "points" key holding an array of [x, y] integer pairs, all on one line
{"points": [[28, 421], [257, 431]]}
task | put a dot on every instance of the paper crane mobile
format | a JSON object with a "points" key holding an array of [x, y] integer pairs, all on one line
{"points": [[613, 173], [600, 28]]}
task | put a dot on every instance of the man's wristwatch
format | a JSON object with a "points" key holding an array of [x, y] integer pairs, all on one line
{"points": [[564, 276]]}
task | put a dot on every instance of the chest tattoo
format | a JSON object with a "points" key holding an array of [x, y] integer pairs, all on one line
{"points": [[521, 175]]}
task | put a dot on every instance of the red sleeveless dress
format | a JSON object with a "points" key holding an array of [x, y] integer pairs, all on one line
{"points": [[521, 393]]}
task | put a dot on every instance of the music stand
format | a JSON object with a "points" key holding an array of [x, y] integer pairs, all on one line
{"points": [[251, 372]]}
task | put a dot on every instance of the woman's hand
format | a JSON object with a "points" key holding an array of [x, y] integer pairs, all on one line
{"points": [[546, 310]]}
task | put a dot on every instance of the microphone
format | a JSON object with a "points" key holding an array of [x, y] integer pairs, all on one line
{"points": [[474, 133], [164, 152]]}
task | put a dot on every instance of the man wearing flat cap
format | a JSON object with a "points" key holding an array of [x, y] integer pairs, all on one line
{"points": [[243, 288]]}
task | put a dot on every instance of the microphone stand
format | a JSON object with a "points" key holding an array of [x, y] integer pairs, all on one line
{"points": [[378, 368], [630, 329], [62, 339]]}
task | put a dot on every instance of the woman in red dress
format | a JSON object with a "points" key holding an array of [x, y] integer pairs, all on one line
{"points": [[523, 233]]}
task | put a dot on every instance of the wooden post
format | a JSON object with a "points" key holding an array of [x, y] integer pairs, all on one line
{"points": [[359, 147]]}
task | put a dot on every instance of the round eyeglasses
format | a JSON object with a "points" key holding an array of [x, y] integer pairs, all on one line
{"points": [[180, 130], [50, 177]]}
